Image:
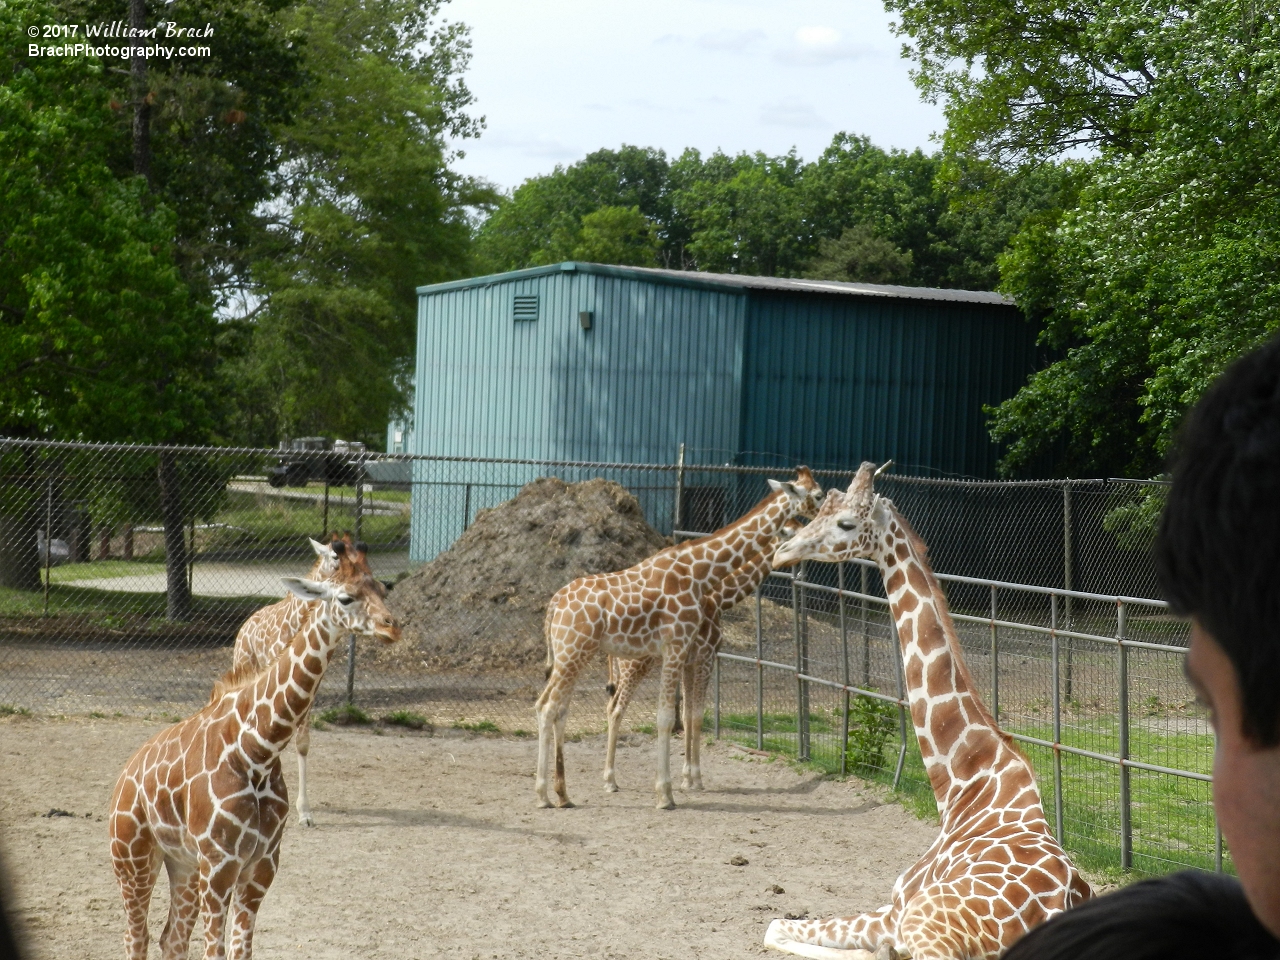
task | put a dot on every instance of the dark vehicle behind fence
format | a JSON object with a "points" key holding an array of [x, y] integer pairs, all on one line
{"points": [[300, 462]]}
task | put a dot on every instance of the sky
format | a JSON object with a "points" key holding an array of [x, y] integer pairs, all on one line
{"points": [[557, 79]]}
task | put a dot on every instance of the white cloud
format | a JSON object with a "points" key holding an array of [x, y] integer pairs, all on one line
{"points": [[819, 46], [731, 41], [532, 147], [790, 112]]}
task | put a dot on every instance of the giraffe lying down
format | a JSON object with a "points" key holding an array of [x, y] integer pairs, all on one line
{"points": [[995, 869]]}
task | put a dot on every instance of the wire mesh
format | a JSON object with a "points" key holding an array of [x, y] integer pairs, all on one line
{"points": [[126, 571]]}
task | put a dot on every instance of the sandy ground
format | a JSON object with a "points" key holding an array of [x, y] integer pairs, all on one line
{"points": [[430, 846]]}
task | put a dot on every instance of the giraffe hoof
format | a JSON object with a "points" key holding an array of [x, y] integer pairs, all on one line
{"points": [[667, 804], [565, 804], [610, 788], [306, 820], [544, 804]]}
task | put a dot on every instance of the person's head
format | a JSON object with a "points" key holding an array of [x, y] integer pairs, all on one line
{"points": [[1218, 556], [1184, 916]]}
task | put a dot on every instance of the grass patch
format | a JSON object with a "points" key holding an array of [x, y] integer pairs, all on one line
{"points": [[481, 726], [521, 733], [103, 570], [407, 718], [9, 710], [97, 715], [1171, 817], [345, 716]]}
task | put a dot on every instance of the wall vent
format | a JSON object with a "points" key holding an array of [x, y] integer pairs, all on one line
{"points": [[526, 307]]}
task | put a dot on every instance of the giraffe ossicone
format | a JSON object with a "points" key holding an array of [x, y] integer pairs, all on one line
{"points": [[655, 608], [995, 869], [206, 797]]}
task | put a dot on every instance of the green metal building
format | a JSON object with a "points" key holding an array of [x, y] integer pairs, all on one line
{"points": [[579, 361]]}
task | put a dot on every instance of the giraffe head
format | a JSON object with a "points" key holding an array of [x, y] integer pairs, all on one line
{"points": [[849, 525], [353, 599], [804, 493], [328, 567]]}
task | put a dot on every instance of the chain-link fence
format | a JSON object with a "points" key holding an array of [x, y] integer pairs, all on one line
{"points": [[125, 572]]}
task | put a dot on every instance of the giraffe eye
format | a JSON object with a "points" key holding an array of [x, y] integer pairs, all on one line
{"points": [[845, 524], [345, 600]]}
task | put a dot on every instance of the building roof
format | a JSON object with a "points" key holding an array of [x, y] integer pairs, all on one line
{"points": [[734, 283]]}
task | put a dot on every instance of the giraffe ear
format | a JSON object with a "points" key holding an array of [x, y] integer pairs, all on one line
{"points": [[321, 549], [307, 589], [774, 485], [858, 497]]}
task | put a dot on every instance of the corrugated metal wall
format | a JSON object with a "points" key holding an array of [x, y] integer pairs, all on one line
{"points": [[838, 380], [660, 365]]}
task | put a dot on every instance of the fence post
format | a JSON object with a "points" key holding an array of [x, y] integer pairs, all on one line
{"points": [[676, 518], [995, 662], [1057, 718], [802, 688], [1126, 826], [759, 675], [1068, 577], [351, 669], [844, 672], [1217, 845], [466, 506], [48, 539], [325, 535], [866, 634], [359, 499]]}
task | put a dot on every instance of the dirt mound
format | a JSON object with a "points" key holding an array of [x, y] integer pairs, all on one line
{"points": [[480, 603]]}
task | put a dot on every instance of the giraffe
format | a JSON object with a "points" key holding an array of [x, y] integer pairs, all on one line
{"points": [[269, 630], [206, 796], [655, 607], [995, 869], [625, 676]]}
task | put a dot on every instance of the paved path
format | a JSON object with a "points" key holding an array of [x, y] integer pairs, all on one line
{"points": [[223, 579], [371, 507]]}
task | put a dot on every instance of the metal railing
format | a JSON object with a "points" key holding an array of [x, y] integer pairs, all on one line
{"points": [[1060, 636]]}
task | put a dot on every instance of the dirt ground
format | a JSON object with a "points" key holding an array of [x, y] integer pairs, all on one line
{"points": [[430, 846]]}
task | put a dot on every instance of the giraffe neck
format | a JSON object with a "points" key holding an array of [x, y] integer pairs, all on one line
{"points": [[269, 709], [959, 739], [753, 530]]}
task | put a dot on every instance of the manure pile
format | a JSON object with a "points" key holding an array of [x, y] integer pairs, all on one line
{"points": [[479, 605]]}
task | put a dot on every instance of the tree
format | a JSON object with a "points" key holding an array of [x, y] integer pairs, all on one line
{"points": [[366, 209], [859, 255], [621, 235], [541, 221], [1163, 266]]}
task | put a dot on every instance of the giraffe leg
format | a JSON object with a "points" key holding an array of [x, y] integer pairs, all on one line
{"points": [[254, 884], [217, 884], [684, 713], [693, 726], [137, 862], [302, 741], [671, 667], [629, 674], [562, 791], [864, 937], [184, 908]]}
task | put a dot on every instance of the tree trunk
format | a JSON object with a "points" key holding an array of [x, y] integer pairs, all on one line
{"points": [[141, 96], [175, 546], [19, 552]]}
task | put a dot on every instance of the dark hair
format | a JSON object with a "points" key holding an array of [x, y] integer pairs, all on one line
{"points": [[1218, 549], [1189, 915]]}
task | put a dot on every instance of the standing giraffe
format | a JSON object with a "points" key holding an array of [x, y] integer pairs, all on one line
{"points": [[995, 870], [206, 796], [269, 630], [625, 676], [656, 607]]}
